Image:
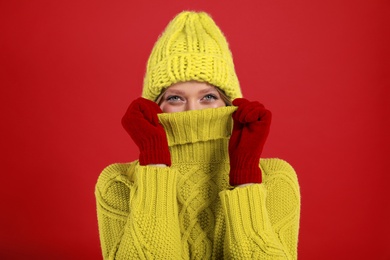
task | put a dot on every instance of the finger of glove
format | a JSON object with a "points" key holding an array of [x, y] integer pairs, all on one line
{"points": [[249, 112], [239, 101], [140, 129], [136, 124], [236, 135], [267, 117], [147, 109], [132, 115], [264, 122], [251, 133]]}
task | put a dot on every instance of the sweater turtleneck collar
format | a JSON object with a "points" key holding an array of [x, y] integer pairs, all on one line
{"points": [[198, 136], [197, 125]]}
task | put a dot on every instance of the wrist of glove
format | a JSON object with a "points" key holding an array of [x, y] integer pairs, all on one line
{"points": [[141, 122], [251, 123], [244, 170], [155, 151]]}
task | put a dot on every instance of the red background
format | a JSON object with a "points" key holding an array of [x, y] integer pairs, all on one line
{"points": [[69, 69]]}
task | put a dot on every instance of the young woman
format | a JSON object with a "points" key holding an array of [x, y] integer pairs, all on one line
{"points": [[199, 189]]}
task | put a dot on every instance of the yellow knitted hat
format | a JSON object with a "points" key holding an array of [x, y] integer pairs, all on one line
{"points": [[192, 47]]}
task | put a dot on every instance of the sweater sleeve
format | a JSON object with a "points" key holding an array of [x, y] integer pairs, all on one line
{"points": [[262, 220], [148, 229]]}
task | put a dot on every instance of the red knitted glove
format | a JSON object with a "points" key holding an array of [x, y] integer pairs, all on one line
{"points": [[141, 122], [250, 130]]}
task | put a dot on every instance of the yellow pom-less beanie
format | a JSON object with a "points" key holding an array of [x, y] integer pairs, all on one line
{"points": [[192, 47]]}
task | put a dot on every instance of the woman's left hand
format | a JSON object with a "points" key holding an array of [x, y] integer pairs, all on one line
{"points": [[250, 130]]}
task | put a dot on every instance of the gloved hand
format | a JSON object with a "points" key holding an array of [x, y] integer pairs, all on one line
{"points": [[141, 122], [251, 123]]}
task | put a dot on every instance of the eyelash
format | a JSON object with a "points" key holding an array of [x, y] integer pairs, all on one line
{"points": [[211, 96], [174, 98], [170, 98]]}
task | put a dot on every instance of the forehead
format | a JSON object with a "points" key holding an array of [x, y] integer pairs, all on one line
{"points": [[190, 87]]}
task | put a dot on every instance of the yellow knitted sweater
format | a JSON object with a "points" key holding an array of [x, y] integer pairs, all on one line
{"points": [[188, 210]]}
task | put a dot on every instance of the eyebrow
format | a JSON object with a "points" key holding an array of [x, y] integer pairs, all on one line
{"points": [[210, 89], [175, 91]]}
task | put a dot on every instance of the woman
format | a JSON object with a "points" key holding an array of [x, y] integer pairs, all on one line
{"points": [[199, 189]]}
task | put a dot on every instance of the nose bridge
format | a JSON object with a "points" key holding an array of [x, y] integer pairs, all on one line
{"points": [[193, 104]]}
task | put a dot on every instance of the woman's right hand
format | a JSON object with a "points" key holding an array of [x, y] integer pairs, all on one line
{"points": [[141, 122]]}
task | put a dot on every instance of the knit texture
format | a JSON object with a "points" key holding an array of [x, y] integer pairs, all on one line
{"points": [[192, 47], [189, 210]]}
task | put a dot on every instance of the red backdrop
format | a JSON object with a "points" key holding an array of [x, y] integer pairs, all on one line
{"points": [[70, 68]]}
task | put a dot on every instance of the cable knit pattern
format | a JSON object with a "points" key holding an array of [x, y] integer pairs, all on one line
{"points": [[188, 210]]}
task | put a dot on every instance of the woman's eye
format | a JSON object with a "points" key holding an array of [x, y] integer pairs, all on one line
{"points": [[210, 97], [173, 98]]}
